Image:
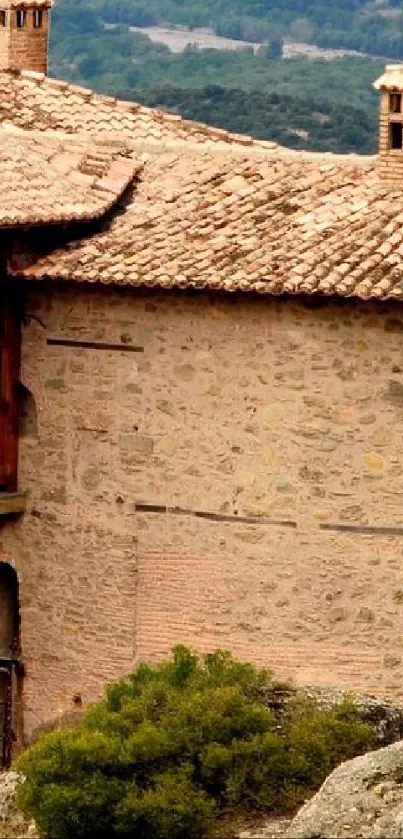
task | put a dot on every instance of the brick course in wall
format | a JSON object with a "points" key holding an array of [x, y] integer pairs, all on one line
{"points": [[157, 479]]}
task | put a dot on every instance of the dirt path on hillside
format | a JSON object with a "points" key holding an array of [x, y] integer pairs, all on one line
{"points": [[178, 38]]}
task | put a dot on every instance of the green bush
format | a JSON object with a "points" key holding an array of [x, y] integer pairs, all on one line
{"points": [[177, 745]]}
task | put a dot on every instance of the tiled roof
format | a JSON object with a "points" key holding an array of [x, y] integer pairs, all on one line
{"points": [[24, 4], [49, 177], [290, 223], [391, 79], [31, 100], [211, 209]]}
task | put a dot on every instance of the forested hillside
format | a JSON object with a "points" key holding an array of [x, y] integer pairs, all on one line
{"points": [[301, 123], [373, 26], [314, 104]]}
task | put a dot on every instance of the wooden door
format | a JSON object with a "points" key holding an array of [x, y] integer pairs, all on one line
{"points": [[9, 651], [9, 374], [6, 727]]}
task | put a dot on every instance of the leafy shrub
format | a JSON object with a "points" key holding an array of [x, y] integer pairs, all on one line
{"points": [[175, 745]]}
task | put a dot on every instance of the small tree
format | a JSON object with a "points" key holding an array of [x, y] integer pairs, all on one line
{"points": [[275, 48], [174, 745]]}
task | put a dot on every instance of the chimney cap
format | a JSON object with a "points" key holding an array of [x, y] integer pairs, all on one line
{"points": [[391, 79], [5, 5]]}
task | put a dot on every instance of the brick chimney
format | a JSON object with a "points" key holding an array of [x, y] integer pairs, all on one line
{"points": [[24, 30], [390, 86]]}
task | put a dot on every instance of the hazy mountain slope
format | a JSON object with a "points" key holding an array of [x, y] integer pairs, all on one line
{"points": [[374, 26], [299, 102]]}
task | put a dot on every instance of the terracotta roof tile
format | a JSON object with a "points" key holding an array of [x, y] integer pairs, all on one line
{"points": [[239, 224], [49, 177], [391, 79], [209, 209], [31, 100], [27, 4]]}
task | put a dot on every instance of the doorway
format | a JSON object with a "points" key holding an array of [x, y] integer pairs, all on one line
{"points": [[9, 660]]}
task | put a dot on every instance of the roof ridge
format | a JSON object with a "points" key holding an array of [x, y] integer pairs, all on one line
{"points": [[13, 4], [160, 115], [38, 101]]}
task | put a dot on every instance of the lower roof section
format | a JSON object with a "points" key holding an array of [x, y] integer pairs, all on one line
{"points": [[289, 223], [50, 178]]}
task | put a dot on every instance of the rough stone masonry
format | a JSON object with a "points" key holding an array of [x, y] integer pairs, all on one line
{"points": [[235, 484]]}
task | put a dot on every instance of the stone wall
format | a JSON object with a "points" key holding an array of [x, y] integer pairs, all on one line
{"points": [[236, 483]]}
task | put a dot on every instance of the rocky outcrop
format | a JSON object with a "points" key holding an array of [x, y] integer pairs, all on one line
{"points": [[383, 716], [12, 822], [361, 798]]}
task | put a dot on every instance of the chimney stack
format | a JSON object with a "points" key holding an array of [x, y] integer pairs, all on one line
{"points": [[24, 31], [390, 85]]}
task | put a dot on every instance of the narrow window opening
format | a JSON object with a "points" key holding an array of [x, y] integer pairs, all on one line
{"points": [[38, 18], [3, 17], [28, 418], [396, 135], [395, 103], [21, 18]]}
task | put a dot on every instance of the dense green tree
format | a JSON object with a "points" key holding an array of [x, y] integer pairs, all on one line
{"points": [[275, 48], [296, 122], [175, 744]]}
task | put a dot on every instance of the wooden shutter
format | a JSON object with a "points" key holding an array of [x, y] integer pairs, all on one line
{"points": [[9, 374]]}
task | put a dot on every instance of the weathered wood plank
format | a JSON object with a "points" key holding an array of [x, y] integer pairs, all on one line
{"points": [[12, 503]]}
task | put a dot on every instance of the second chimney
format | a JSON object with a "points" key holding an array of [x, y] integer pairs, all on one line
{"points": [[390, 86]]}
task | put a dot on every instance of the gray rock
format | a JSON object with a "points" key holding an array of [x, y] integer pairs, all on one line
{"points": [[8, 783], [385, 718], [361, 798], [12, 822]]}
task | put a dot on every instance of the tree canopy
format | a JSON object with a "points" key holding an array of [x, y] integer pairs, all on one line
{"points": [[177, 746], [323, 105], [372, 27]]}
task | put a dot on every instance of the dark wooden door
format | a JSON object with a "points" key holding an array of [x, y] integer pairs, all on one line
{"points": [[9, 374], [9, 651], [6, 727]]}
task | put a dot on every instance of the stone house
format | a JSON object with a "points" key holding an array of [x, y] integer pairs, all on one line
{"points": [[201, 394]]}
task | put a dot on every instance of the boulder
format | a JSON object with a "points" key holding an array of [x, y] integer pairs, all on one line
{"points": [[383, 716], [12, 822], [363, 797]]}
